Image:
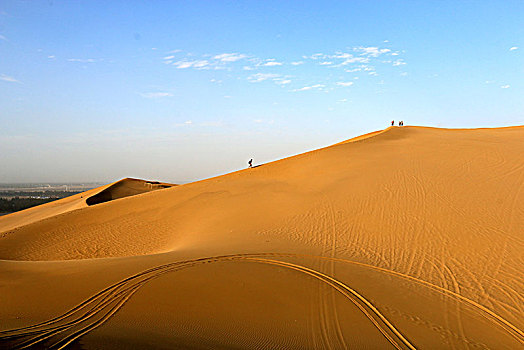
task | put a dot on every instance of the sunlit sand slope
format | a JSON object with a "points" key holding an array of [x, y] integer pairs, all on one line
{"points": [[120, 189], [406, 238]]}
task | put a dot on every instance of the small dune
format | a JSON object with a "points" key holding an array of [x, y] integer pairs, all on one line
{"points": [[120, 189], [125, 188]]}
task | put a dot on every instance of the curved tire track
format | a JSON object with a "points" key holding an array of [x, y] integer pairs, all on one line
{"points": [[61, 331]]}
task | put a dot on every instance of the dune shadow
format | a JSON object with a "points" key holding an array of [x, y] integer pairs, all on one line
{"points": [[126, 188]]}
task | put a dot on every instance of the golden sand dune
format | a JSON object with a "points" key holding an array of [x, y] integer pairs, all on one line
{"points": [[406, 238]]}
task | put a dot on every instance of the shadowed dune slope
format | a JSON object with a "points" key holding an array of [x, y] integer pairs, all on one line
{"points": [[404, 238]]}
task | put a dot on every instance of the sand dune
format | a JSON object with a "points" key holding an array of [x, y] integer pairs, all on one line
{"points": [[125, 188], [404, 238]]}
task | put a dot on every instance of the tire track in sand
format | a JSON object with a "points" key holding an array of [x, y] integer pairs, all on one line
{"points": [[61, 331], [120, 292]]}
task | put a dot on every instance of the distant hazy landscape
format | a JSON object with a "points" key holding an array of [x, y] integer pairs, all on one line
{"points": [[19, 196]]}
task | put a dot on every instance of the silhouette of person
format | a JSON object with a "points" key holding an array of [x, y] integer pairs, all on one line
{"points": [[250, 163], [392, 122]]}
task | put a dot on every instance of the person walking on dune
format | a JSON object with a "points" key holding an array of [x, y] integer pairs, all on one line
{"points": [[250, 163], [392, 123]]}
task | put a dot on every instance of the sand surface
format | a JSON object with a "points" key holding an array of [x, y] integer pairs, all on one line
{"points": [[407, 238]]}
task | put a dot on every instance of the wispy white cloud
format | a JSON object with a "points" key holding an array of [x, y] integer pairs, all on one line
{"points": [[7, 78], [371, 51], [282, 81], [306, 88], [355, 60], [205, 61], [230, 57], [82, 60], [345, 84], [316, 56], [258, 77], [51, 57], [3, 37], [399, 63], [182, 64], [186, 123], [505, 86], [156, 94], [199, 64], [271, 63], [513, 48], [326, 63], [297, 63], [344, 55]]}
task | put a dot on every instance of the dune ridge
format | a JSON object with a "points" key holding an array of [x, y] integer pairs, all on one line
{"points": [[405, 238], [125, 188]]}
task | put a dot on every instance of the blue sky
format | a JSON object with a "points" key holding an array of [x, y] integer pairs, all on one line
{"points": [[178, 91]]}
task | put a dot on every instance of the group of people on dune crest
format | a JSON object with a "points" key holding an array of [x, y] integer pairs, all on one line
{"points": [[400, 123]]}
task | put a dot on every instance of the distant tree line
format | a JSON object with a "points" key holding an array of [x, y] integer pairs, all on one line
{"points": [[15, 204], [10, 205], [45, 193]]}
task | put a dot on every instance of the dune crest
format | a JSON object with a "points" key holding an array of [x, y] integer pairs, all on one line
{"points": [[125, 188], [404, 238]]}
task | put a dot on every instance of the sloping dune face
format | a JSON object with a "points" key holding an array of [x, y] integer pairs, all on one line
{"points": [[406, 238]]}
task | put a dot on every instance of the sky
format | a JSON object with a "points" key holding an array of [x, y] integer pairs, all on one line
{"points": [[184, 90]]}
